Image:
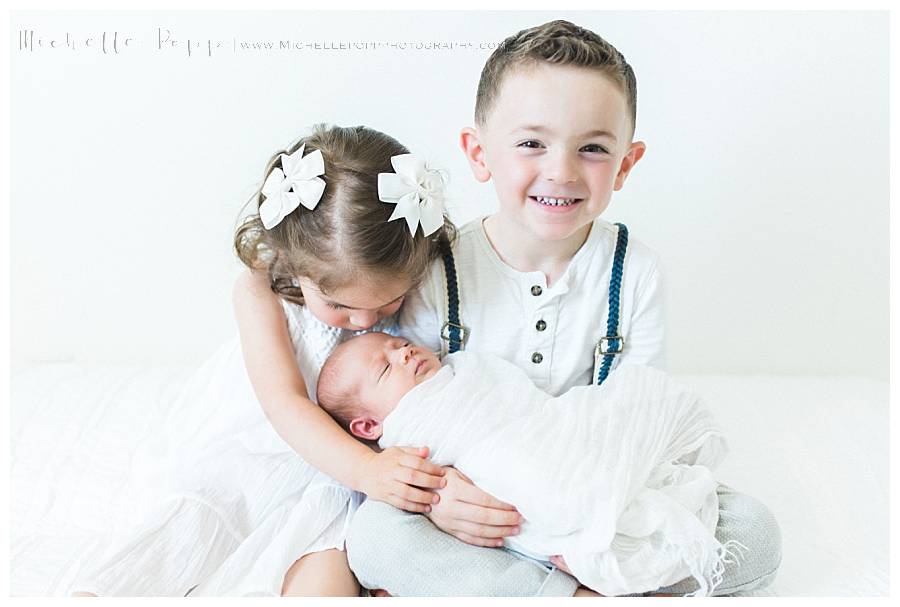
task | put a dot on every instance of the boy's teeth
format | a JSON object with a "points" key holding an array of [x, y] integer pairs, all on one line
{"points": [[556, 202]]}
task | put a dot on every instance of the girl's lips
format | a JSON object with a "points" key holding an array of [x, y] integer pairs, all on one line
{"points": [[419, 366]]}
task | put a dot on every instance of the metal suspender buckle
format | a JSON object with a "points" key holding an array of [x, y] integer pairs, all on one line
{"points": [[610, 346], [463, 333]]}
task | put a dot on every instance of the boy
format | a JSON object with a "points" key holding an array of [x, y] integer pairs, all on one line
{"points": [[632, 508], [554, 125]]}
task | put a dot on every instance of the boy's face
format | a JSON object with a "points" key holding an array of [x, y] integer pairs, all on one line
{"points": [[557, 143], [383, 369]]}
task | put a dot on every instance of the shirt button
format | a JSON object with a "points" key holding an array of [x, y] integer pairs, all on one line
{"points": [[536, 290], [541, 325], [536, 358]]}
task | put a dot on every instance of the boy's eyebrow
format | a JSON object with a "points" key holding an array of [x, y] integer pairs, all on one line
{"points": [[542, 129], [333, 302]]}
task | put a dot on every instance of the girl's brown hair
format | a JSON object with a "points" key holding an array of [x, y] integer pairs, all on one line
{"points": [[347, 237]]}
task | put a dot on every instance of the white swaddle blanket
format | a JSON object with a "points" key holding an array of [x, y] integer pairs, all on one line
{"points": [[615, 478]]}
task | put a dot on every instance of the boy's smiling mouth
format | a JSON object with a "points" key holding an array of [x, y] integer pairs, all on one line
{"points": [[550, 202]]}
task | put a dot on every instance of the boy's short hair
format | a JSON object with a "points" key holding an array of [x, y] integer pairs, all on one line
{"points": [[557, 43]]}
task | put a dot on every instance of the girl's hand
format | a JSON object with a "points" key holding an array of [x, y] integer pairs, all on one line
{"points": [[471, 515], [399, 477]]}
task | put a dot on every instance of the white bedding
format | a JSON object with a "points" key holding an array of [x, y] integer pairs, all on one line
{"points": [[815, 450]]}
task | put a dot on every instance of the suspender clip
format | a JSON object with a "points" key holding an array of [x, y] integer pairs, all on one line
{"points": [[461, 330], [609, 345]]}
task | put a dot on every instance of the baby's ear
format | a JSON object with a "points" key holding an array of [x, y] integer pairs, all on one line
{"points": [[473, 148], [366, 427]]}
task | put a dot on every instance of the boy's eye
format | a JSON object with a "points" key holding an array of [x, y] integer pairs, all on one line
{"points": [[531, 143], [335, 306], [593, 148]]}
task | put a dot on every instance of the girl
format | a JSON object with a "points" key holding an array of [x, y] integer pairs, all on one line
{"points": [[325, 261]]}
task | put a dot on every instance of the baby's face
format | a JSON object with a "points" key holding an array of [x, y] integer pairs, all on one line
{"points": [[383, 369]]}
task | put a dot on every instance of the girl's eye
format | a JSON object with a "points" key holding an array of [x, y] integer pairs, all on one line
{"points": [[393, 305], [531, 144], [593, 148], [335, 306]]}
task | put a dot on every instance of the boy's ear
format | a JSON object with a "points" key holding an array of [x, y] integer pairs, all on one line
{"points": [[366, 427], [472, 147], [635, 153]]}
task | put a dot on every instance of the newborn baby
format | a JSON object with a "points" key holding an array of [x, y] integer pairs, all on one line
{"points": [[615, 478]]}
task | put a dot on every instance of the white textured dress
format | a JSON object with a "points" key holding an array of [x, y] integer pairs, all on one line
{"points": [[239, 506]]}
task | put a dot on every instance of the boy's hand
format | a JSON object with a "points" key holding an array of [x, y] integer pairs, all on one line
{"points": [[399, 477], [560, 563], [471, 515]]}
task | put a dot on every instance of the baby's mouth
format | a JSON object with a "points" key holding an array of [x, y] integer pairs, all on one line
{"points": [[547, 201], [419, 366]]}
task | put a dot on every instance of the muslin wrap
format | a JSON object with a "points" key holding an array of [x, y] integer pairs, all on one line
{"points": [[615, 478]]}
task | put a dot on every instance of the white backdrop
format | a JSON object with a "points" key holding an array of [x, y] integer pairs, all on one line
{"points": [[764, 187]]}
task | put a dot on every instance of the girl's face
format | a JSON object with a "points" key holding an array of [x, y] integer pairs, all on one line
{"points": [[357, 307]]}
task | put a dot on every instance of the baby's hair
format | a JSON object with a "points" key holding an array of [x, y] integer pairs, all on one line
{"points": [[338, 399], [347, 237], [558, 43]]}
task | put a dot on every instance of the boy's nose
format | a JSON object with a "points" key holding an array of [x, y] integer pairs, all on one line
{"points": [[560, 168]]}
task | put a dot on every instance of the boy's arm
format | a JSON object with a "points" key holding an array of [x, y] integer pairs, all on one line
{"points": [[472, 515], [645, 343], [281, 391]]}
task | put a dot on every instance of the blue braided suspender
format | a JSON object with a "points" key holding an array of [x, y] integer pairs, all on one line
{"points": [[613, 344], [456, 334]]}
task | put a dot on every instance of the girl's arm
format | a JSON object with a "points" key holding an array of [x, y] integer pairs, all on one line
{"points": [[394, 475]]}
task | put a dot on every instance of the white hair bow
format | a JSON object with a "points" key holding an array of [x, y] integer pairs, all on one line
{"points": [[298, 183], [417, 191]]}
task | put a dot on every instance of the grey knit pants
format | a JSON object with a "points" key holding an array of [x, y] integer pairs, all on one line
{"points": [[407, 555]]}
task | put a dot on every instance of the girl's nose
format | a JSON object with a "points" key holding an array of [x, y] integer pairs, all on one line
{"points": [[363, 319]]}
